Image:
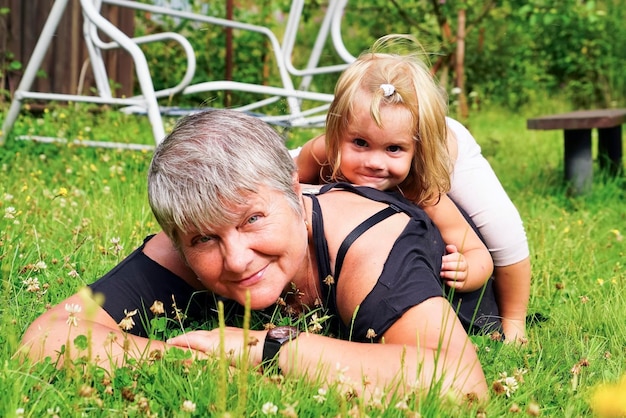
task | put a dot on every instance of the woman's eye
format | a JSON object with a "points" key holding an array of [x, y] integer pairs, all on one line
{"points": [[204, 239], [359, 142], [253, 219]]}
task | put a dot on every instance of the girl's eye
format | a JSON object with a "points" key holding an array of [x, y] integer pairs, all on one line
{"points": [[394, 148], [359, 142]]}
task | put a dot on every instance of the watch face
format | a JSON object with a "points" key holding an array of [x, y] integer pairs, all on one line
{"points": [[283, 333]]}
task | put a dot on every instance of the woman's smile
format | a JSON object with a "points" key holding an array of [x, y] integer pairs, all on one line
{"points": [[251, 280]]}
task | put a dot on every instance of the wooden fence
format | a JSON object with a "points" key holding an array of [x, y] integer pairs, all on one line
{"points": [[66, 60]]}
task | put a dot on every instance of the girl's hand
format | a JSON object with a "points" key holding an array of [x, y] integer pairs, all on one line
{"points": [[453, 268], [209, 342]]}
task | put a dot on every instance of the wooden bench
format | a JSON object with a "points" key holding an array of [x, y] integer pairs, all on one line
{"points": [[577, 128]]}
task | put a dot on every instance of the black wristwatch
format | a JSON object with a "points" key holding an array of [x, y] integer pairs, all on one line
{"points": [[274, 340]]}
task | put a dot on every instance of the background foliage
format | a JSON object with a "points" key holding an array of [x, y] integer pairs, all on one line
{"points": [[516, 51], [68, 214]]}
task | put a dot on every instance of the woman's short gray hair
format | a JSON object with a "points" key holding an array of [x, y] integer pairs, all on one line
{"points": [[210, 162]]}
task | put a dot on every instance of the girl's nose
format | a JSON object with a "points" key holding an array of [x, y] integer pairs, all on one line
{"points": [[374, 161]]}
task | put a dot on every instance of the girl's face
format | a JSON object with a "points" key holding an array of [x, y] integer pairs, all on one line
{"points": [[377, 157], [261, 253]]}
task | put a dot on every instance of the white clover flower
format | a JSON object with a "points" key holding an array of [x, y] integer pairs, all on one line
{"points": [[509, 384], [53, 412], [402, 405], [269, 409], [289, 410], [377, 399], [127, 323], [117, 247], [8, 197], [32, 285], [10, 212], [341, 373], [314, 324], [40, 265], [116, 169], [456, 91], [72, 309], [188, 406], [73, 273], [157, 308], [321, 395]]}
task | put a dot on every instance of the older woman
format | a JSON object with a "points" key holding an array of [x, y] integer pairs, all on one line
{"points": [[236, 221]]}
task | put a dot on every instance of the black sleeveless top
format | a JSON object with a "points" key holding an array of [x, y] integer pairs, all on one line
{"points": [[410, 276]]}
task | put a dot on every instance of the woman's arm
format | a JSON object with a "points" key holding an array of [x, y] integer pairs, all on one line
{"points": [[470, 267], [54, 333], [82, 314], [427, 347], [311, 160]]}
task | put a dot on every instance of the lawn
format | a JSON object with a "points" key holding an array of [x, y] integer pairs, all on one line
{"points": [[71, 213]]}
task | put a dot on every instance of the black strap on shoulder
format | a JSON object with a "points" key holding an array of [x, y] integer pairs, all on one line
{"points": [[319, 239], [359, 230]]}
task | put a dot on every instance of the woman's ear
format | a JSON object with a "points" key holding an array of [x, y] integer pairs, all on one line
{"points": [[296, 183]]}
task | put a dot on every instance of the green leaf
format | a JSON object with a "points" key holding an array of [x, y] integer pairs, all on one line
{"points": [[81, 342]]}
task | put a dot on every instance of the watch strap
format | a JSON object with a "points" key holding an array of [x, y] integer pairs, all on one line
{"points": [[274, 340], [271, 348]]}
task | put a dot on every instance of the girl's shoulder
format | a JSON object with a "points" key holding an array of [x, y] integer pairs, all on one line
{"points": [[461, 140]]}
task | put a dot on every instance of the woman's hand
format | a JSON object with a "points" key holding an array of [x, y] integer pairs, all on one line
{"points": [[209, 342], [453, 268]]}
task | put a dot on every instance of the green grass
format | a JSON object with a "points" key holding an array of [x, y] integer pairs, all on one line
{"points": [[68, 214]]}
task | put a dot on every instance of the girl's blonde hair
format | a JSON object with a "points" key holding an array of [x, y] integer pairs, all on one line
{"points": [[417, 91]]}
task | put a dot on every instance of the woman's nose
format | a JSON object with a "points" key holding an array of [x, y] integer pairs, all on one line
{"points": [[236, 253]]}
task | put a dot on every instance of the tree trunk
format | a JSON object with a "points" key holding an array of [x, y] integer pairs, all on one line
{"points": [[460, 64]]}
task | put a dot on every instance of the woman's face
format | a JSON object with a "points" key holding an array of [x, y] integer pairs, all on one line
{"points": [[262, 252], [373, 156]]}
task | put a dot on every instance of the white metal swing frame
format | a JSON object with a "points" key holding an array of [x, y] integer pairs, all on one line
{"points": [[146, 102]]}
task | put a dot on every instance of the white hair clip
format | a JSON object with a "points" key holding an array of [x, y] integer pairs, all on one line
{"points": [[388, 89]]}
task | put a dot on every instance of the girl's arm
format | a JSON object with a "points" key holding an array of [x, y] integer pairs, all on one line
{"points": [[469, 265], [311, 160], [427, 347]]}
